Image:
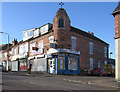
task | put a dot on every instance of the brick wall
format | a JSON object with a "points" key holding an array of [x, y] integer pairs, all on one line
{"points": [[83, 46], [44, 39], [62, 35], [117, 27]]}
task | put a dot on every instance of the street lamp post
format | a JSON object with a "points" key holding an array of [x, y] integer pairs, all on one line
{"points": [[8, 47], [8, 36], [110, 54]]}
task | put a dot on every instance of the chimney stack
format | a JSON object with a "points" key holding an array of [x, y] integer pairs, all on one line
{"points": [[92, 33], [15, 42]]}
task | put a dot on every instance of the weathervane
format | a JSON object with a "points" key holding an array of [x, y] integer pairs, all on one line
{"points": [[61, 4]]}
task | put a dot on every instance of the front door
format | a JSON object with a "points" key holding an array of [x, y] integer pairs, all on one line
{"points": [[52, 65]]}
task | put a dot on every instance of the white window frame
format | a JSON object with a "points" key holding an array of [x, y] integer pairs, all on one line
{"points": [[59, 26], [5, 54], [91, 63], [73, 42], [14, 51], [32, 45], [91, 47], [40, 45], [105, 51], [106, 62]]}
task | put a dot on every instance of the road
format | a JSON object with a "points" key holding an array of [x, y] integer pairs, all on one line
{"points": [[43, 82]]}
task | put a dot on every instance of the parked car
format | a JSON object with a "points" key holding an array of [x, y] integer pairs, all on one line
{"points": [[110, 69], [2, 68], [97, 71]]}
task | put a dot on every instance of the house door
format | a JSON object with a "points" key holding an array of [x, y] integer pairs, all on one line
{"points": [[91, 63], [52, 65]]}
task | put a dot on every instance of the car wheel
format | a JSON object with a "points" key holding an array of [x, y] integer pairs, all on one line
{"points": [[100, 74]]}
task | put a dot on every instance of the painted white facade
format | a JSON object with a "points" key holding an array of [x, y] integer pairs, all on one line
{"points": [[36, 32], [117, 58], [28, 34]]}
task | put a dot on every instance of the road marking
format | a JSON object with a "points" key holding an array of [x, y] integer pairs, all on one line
{"points": [[73, 80], [33, 83]]}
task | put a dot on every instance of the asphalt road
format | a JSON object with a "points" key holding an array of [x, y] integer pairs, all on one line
{"points": [[25, 82]]}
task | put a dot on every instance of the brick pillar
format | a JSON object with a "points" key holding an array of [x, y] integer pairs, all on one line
{"points": [[62, 35], [116, 14]]}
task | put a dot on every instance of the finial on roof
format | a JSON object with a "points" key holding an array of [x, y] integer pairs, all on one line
{"points": [[61, 4]]}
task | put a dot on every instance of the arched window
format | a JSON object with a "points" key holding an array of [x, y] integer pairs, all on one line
{"points": [[61, 23]]}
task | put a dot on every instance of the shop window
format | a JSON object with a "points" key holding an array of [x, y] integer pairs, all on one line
{"points": [[61, 23], [61, 63], [72, 63]]}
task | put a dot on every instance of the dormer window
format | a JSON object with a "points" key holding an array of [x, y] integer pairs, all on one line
{"points": [[61, 23]]}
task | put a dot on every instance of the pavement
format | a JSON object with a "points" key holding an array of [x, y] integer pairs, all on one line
{"points": [[103, 81]]}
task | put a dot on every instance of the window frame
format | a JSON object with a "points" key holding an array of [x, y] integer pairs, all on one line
{"points": [[91, 48], [62, 24]]}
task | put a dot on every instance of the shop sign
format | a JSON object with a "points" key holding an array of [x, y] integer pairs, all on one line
{"points": [[52, 45], [49, 56], [61, 55], [68, 50], [73, 55], [40, 51]]}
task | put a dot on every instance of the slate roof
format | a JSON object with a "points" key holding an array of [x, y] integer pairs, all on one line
{"points": [[117, 10], [4, 46], [79, 31]]}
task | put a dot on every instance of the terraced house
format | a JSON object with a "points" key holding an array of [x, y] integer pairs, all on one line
{"points": [[59, 48]]}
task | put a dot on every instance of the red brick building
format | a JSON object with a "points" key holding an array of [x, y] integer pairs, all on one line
{"points": [[72, 51], [60, 48]]}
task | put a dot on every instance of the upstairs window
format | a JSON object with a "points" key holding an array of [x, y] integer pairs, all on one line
{"points": [[73, 43], [61, 23], [91, 47], [105, 51], [15, 51]]}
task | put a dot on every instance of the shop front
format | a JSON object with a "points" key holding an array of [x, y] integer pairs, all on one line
{"points": [[23, 64], [41, 64], [32, 64], [37, 63], [14, 63], [63, 62]]}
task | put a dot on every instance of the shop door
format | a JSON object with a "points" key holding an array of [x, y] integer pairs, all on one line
{"points": [[52, 65]]}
